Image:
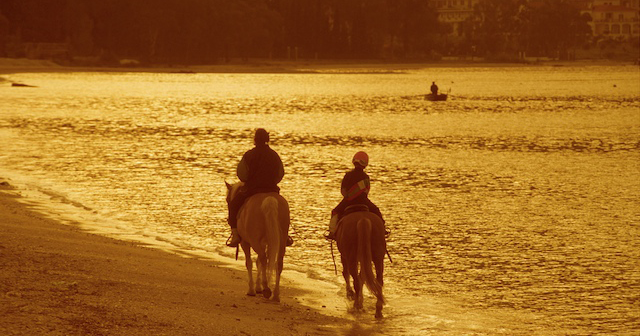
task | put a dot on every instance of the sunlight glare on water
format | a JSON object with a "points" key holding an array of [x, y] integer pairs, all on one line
{"points": [[513, 205]]}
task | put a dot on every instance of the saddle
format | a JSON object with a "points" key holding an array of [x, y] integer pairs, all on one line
{"points": [[358, 208], [355, 208]]}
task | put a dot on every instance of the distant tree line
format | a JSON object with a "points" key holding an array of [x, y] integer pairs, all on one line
{"points": [[214, 31], [539, 28]]}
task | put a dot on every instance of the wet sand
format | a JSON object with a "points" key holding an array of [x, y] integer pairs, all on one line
{"points": [[58, 280]]}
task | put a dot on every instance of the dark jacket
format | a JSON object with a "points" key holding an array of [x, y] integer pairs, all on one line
{"points": [[434, 89], [261, 169]]}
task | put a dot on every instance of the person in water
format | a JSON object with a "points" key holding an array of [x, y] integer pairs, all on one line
{"points": [[355, 190], [261, 170], [434, 88]]}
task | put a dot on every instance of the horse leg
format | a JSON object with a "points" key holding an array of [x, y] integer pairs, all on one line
{"points": [[379, 264], [266, 291], [247, 256], [347, 278], [358, 283], [259, 267], [379, 304], [276, 287]]}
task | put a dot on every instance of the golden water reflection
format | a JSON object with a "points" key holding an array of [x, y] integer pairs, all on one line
{"points": [[525, 202]]}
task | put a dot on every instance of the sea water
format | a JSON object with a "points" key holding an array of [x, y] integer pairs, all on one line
{"points": [[514, 205]]}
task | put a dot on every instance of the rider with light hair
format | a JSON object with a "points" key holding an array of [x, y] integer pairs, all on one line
{"points": [[355, 190]]}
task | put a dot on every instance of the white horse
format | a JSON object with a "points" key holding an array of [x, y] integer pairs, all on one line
{"points": [[263, 224]]}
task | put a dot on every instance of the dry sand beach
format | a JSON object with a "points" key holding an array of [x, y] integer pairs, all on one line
{"points": [[58, 280]]}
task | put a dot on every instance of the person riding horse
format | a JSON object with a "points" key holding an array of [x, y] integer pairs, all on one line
{"points": [[355, 189], [261, 170]]}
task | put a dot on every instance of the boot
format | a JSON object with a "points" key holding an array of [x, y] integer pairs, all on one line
{"points": [[289, 241], [234, 239], [333, 227]]}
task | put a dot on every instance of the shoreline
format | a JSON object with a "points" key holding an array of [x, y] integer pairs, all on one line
{"points": [[60, 279], [13, 66]]}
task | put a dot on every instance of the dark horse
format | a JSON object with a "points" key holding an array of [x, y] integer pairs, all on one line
{"points": [[361, 241], [263, 224]]}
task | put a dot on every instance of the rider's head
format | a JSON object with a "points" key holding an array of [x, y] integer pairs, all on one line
{"points": [[361, 159], [261, 137]]}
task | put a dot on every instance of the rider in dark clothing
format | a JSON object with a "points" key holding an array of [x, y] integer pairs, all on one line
{"points": [[434, 88], [355, 189], [261, 170]]}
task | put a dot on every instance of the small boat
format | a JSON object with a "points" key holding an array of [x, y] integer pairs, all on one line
{"points": [[436, 97], [21, 85]]}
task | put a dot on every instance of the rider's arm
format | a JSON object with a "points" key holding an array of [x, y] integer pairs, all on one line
{"points": [[280, 169], [344, 187], [243, 169]]}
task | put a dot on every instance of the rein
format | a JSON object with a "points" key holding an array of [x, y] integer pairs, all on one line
{"points": [[335, 268]]}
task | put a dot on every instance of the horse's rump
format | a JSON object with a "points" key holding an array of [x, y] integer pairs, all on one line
{"points": [[260, 212], [347, 227]]}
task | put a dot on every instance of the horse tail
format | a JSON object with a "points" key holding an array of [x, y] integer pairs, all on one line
{"points": [[365, 259], [270, 209]]}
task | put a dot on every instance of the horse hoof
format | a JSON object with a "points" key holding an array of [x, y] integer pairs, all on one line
{"points": [[379, 315], [266, 293], [351, 296], [251, 293]]}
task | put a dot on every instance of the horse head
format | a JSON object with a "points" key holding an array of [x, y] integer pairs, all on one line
{"points": [[232, 190]]}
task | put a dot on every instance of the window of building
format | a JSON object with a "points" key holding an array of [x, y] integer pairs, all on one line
{"points": [[602, 29], [615, 29], [626, 29]]}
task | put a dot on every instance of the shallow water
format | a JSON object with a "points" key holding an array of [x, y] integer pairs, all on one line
{"points": [[513, 206]]}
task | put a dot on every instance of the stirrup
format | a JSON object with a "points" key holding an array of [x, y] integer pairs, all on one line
{"points": [[231, 243], [330, 236]]}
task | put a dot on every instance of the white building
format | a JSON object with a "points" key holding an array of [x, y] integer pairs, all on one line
{"points": [[454, 13], [617, 19]]}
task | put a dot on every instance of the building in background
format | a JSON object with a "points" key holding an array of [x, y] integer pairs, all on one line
{"points": [[455, 14], [616, 19]]}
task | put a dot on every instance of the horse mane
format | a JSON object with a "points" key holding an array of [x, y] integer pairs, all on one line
{"points": [[233, 189]]}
